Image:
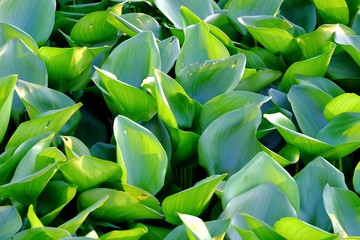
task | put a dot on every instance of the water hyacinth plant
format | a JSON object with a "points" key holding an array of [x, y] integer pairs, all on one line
{"points": [[183, 119]]}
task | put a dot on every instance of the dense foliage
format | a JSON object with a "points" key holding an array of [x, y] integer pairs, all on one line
{"points": [[178, 119]]}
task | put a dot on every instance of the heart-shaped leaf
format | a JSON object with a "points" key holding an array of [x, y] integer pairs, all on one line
{"points": [[221, 147], [143, 167]]}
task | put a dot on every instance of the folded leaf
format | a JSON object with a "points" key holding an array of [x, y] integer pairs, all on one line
{"points": [[9, 31], [144, 167], [332, 11], [229, 142], [10, 221], [347, 102], [199, 196], [7, 85]]}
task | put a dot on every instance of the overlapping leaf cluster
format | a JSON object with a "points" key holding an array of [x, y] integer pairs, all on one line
{"points": [[160, 119]]}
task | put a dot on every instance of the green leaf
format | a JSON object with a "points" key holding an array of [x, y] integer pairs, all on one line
{"points": [[135, 233], [199, 196], [46, 233], [55, 196], [332, 11], [169, 51], [135, 23], [175, 107], [275, 34], [324, 84], [252, 224], [295, 11], [293, 228], [50, 121], [120, 206], [308, 104], [356, 178], [74, 147], [73, 224], [251, 8], [205, 80], [260, 170], [248, 202], [35, 19], [342, 206], [10, 221], [8, 31], [143, 167], [258, 80], [68, 68], [311, 181], [172, 9], [129, 101], [227, 102], [133, 60], [315, 66], [7, 85], [93, 28], [198, 36], [219, 149], [350, 43], [33, 219], [88, 172], [195, 227], [347, 102]]}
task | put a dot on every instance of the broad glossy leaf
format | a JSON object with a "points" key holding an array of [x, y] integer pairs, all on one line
{"points": [[205, 80], [35, 19], [132, 60], [347, 102], [93, 28], [55, 196], [289, 154], [135, 23], [50, 121], [261, 169], [295, 11], [10, 221], [293, 228], [275, 34], [287, 129], [308, 105], [332, 11], [26, 190], [8, 31], [143, 167], [73, 224], [195, 227], [17, 58], [134, 233], [250, 223], [258, 80], [198, 36], [342, 206], [311, 181], [251, 8], [315, 66], [46, 233], [227, 102], [74, 147], [119, 207], [350, 43], [188, 17], [229, 142], [324, 84], [199, 196], [356, 178], [172, 9], [253, 202], [169, 51], [129, 101], [173, 100], [88, 172], [342, 133], [7, 85], [33, 219], [68, 68]]}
